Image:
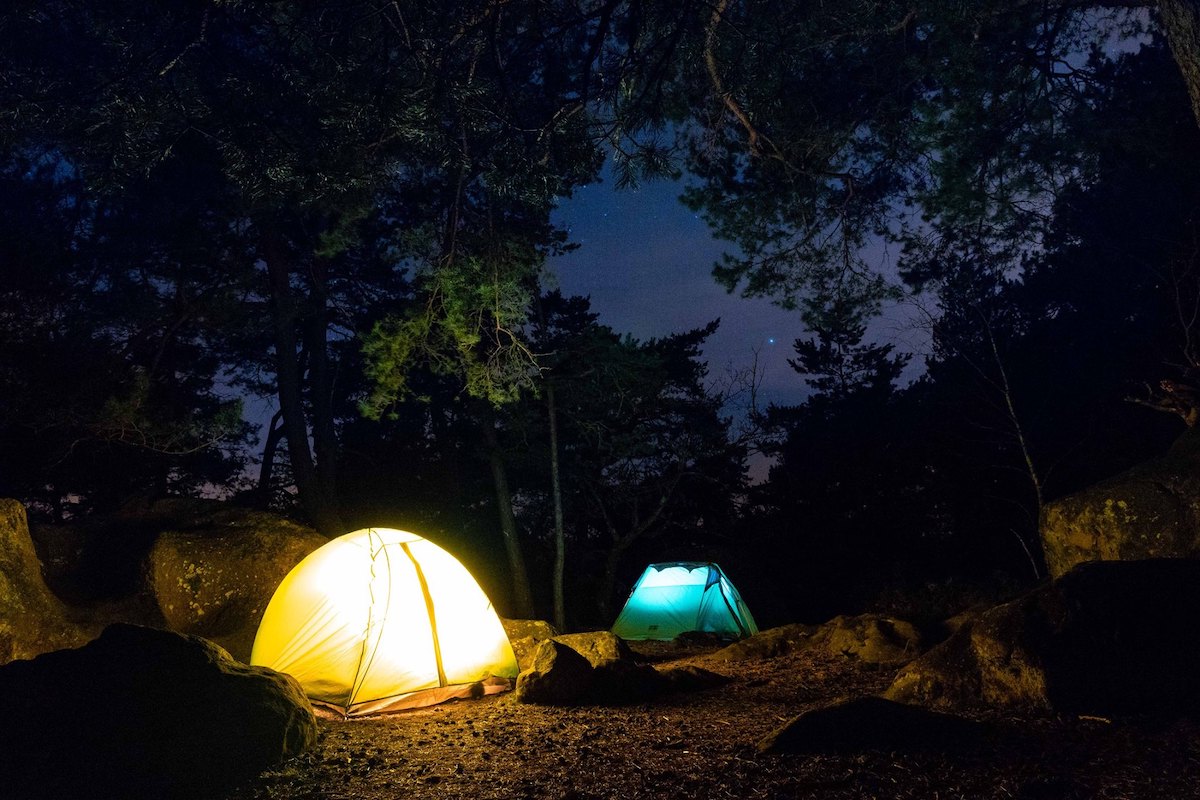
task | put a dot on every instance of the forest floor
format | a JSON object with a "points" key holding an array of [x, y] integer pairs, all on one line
{"points": [[702, 745]]}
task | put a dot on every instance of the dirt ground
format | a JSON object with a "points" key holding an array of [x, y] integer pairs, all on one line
{"points": [[702, 745]]}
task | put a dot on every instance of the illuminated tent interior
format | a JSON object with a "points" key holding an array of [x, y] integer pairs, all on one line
{"points": [[682, 596], [380, 620]]}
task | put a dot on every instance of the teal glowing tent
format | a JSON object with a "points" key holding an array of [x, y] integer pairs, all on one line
{"points": [[681, 596]]}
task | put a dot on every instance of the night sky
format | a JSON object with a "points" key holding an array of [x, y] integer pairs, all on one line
{"points": [[646, 262]]}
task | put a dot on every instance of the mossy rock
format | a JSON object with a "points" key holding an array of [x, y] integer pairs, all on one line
{"points": [[1150, 511], [1102, 639], [524, 635], [557, 676], [600, 648], [215, 580], [32, 619]]}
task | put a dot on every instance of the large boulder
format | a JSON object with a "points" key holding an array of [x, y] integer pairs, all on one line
{"points": [[870, 638], [1150, 511], [600, 668], [524, 635], [215, 577], [600, 648], [557, 676], [96, 560], [201, 567], [617, 677], [538, 629], [872, 723], [1106, 638], [32, 619], [144, 713]]}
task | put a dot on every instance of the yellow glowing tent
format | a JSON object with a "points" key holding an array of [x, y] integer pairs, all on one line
{"points": [[380, 620]]}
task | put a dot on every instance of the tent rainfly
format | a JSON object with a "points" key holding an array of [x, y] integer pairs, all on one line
{"points": [[681, 596], [380, 620]]}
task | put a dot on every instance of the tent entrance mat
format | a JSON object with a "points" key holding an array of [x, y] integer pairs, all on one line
{"points": [[413, 700]]}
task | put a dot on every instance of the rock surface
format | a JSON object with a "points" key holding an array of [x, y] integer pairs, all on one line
{"points": [[1150, 511], [600, 648], [689, 678], [1106, 638], [616, 675], [200, 567], [871, 638], [524, 636], [215, 579], [32, 619], [99, 559], [872, 723], [557, 676], [599, 668], [144, 713], [769, 643], [532, 628]]}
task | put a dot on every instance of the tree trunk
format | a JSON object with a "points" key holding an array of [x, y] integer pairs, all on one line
{"points": [[612, 560], [1181, 21], [320, 383], [291, 394], [522, 597], [560, 539], [1018, 430], [274, 434]]}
